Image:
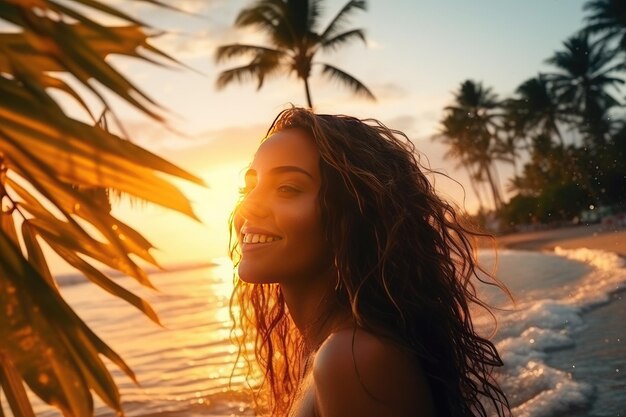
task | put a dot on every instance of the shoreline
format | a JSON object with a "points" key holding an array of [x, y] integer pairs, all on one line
{"points": [[596, 236]]}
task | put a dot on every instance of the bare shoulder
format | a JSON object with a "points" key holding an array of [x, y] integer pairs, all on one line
{"points": [[359, 373]]}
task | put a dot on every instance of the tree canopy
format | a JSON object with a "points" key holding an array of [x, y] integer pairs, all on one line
{"points": [[293, 32]]}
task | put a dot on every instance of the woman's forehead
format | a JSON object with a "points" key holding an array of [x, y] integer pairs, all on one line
{"points": [[291, 147]]}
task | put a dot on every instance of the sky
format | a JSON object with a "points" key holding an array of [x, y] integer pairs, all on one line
{"points": [[417, 54]]}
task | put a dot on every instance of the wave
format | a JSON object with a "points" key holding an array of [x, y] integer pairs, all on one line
{"points": [[77, 278], [537, 328]]}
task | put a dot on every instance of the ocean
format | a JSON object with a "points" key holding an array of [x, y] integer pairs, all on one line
{"points": [[563, 339]]}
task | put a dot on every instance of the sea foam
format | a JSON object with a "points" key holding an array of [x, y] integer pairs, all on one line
{"points": [[535, 328]]}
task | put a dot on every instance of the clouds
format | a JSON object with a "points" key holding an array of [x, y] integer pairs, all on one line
{"points": [[200, 44], [188, 6], [404, 123], [235, 144], [390, 90]]}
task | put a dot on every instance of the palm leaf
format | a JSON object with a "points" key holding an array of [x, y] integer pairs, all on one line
{"points": [[37, 350], [312, 15], [7, 225], [343, 38], [85, 57], [53, 348], [96, 5], [270, 17], [103, 281], [13, 387], [48, 160], [237, 74], [258, 68], [35, 254], [89, 156], [336, 24], [342, 77], [225, 52]]}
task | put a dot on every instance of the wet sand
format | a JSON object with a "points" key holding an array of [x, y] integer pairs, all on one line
{"points": [[595, 236]]}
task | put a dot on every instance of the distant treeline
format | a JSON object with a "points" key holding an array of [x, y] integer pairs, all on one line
{"points": [[563, 131]]}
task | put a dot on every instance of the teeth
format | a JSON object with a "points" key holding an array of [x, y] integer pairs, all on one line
{"points": [[257, 238]]}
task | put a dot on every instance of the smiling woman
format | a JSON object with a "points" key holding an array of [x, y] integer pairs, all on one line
{"points": [[354, 279]]}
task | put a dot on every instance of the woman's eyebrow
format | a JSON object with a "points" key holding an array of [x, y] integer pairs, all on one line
{"points": [[280, 170]]}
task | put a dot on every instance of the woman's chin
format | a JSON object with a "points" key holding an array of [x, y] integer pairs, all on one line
{"points": [[251, 276]]}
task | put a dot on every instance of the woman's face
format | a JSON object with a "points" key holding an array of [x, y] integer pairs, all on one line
{"points": [[278, 222]]}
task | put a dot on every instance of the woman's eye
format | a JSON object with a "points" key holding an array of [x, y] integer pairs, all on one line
{"points": [[287, 189]]}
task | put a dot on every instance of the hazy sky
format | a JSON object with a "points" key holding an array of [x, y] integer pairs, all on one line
{"points": [[417, 53]]}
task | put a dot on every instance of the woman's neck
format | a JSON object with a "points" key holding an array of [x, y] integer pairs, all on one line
{"points": [[314, 309]]}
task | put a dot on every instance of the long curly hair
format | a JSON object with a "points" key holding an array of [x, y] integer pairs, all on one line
{"points": [[406, 263]]}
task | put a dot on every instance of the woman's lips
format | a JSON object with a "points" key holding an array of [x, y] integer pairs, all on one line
{"points": [[257, 239], [248, 247]]}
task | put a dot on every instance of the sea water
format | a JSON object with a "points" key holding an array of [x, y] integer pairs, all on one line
{"points": [[562, 338]]}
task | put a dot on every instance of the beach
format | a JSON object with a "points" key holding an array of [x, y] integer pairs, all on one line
{"points": [[592, 355], [596, 236]]}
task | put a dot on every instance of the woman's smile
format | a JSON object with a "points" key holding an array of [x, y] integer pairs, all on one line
{"points": [[253, 240]]}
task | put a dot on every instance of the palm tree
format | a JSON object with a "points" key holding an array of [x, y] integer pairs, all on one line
{"points": [[471, 124], [452, 134], [608, 19], [291, 27], [584, 74], [535, 110], [51, 167]]}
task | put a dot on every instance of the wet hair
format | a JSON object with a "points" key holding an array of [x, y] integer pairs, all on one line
{"points": [[406, 264]]}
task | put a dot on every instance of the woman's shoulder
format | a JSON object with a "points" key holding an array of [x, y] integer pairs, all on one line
{"points": [[358, 368], [357, 343]]}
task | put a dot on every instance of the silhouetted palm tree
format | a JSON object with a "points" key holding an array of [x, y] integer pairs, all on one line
{"points": [[291, 27], [585, 73], [471, 124], [607, 18], [535, 110], [452, 134]]}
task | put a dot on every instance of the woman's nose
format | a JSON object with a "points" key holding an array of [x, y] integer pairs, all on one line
{"points": [[253, 207]]}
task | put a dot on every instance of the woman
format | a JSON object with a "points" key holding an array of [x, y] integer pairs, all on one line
{"points": [[354, 279]]}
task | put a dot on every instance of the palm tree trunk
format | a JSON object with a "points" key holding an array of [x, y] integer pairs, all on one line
{"points": [[485, 189], [497, 200], [308, 93], [472, 180]]}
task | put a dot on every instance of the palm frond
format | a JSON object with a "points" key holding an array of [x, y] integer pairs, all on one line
{"points": [[271, 18], [606, 18], [62, 9], [352, 83], [47, 161], [341, 39], [257, 69], [302, 16], [13, 387], [226, 52], [336, 24], [314, 13], [84, 59]]}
